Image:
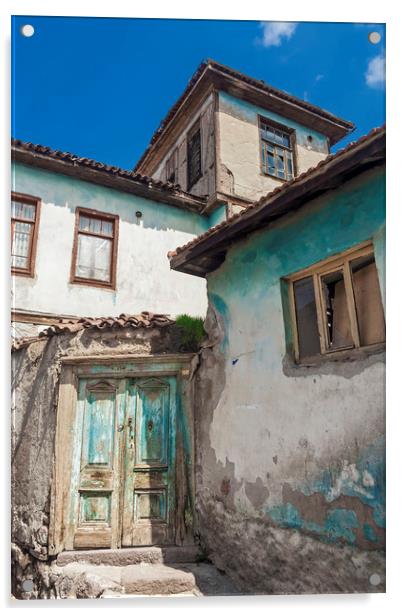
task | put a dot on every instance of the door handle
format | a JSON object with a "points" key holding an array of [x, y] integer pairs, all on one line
{"points": [[130, 432]]}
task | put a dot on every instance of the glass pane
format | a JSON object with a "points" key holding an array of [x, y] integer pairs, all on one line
{"points": [[21, 262], [94, 258], [306, 317], [93, 225], [270, 134], [20, 244], [336, 311], [22, 210], [369, 309], [279, 137], [107, 228], [289, 165]]}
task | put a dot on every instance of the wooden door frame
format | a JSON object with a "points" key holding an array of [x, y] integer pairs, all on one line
{"points": [[61, 524]]}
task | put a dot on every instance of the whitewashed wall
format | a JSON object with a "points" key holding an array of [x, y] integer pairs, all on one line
{"points": [[144, 278]]}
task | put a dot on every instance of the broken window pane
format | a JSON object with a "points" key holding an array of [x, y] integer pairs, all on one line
{"points": [[276, 160], [306, 317], [337, 320], [366, 288], [94, 258]]}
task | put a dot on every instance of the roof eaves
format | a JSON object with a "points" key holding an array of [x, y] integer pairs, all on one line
{"points": [[217, 67], [266, 201], [40, 155]]}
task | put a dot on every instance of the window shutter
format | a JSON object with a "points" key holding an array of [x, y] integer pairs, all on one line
{"points": [[194, 158]]}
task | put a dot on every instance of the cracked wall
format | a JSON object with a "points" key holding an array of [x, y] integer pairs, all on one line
{"points": [[285, 450], [35, 379]]}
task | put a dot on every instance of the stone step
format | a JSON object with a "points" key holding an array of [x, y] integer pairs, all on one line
{"points": [[84, 580], [132, 556], [156, 580]]}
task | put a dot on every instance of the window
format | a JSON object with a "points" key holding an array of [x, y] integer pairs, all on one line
{"points": [[95, 248], [336, 305], [194, 171], [276, 150], [25, 212], [171, 168]]}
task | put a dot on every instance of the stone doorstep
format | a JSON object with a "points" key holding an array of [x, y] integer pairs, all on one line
{"points": [[141, 579], [131, 556]]}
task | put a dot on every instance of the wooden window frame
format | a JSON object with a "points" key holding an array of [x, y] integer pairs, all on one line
{"points": [[292, 149], [316, 272], [172, 163], [113, 218], [29, 200], [190, 134]]}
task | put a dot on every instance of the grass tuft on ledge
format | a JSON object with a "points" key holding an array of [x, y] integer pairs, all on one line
{"points": [[192, 331]]}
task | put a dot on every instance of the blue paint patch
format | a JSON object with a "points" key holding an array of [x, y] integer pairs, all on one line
{"points": [[366, 482], [369, 533], [339, 524], [286, 515], [222, 308]]}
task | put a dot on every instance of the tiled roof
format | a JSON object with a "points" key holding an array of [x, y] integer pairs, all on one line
{"points": [[72, 326], [258, 83], [283, 188], [110, 170]]}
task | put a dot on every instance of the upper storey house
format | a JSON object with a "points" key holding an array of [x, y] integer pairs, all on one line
{"points": [[90, 240], [232, 139]]}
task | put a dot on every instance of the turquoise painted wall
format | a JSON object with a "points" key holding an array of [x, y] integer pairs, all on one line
{"points": [[306, 435]]}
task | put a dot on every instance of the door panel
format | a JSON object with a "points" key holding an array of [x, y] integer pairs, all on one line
{"points": [[150, 486], [123, 470], [152, 423], [96, 463]]}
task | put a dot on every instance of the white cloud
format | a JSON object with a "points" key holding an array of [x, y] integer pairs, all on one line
{"points": [[375, 74], [275, 31]]}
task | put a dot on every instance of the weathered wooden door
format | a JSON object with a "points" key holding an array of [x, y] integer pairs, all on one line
{"points": [[149, 491], [123, 470]]}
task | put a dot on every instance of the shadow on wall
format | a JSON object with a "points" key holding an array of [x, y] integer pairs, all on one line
{"points": [[66, 192]]}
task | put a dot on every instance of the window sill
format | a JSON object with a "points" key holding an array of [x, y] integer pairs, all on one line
{"points": [[274, 177], [20, 272], [340, 356], [94, 283]]}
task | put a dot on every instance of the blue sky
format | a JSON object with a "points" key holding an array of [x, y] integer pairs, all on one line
{"points": [[100, 87]]}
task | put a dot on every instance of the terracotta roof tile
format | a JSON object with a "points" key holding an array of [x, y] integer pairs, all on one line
{"points": [[72, 326], [112, 170]]}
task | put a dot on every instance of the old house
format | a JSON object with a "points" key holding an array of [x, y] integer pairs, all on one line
{"points": [[290, 388], [89, 239], [228, 140], [132, 444]]}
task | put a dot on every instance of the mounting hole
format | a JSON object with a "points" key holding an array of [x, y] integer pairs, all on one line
{"points": [[138, 214], [374, 37], [27, 30], [27, 585], [375, 579]]}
